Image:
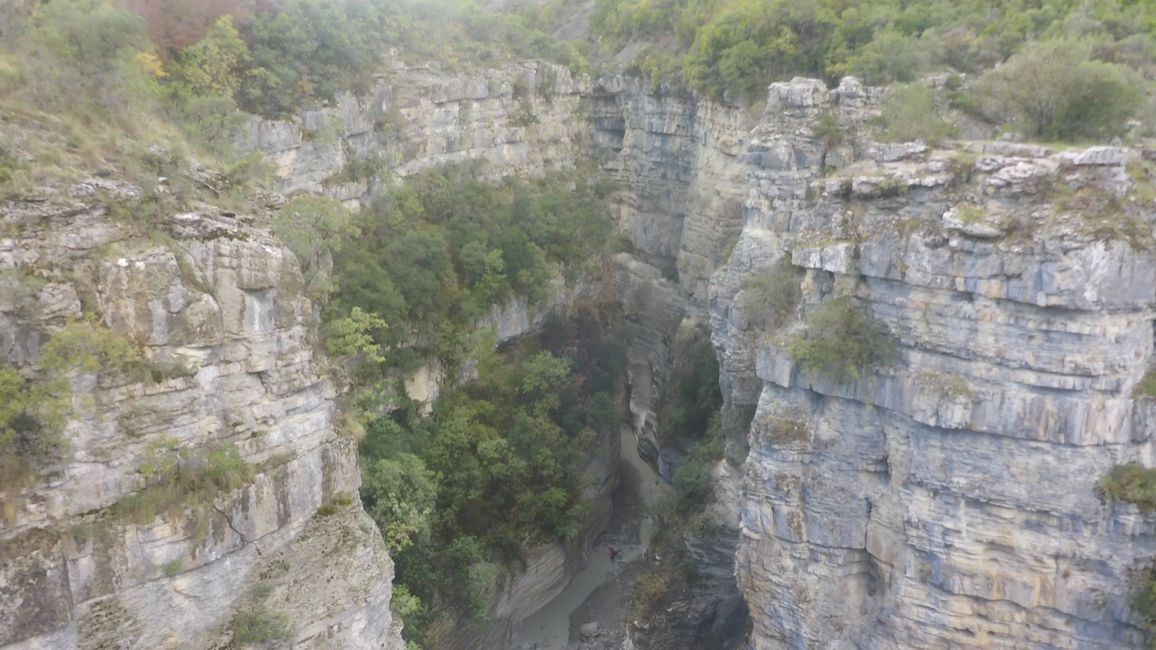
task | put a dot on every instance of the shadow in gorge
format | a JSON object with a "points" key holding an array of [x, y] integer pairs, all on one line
{"points": [[706, 612]]}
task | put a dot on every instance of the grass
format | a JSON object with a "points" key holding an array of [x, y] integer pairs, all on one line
{"points": [[1147, 385], [785, 430], [259, 626], [185, 483], [334, 505]]}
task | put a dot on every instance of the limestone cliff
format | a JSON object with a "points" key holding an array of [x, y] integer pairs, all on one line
{"points": [[229, 372], [946, 499]]}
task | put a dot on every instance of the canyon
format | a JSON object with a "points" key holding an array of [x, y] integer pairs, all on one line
{"points": [[945, 498]]}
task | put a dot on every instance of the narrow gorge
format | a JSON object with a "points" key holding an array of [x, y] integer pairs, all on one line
{"points": [[933, 481]]}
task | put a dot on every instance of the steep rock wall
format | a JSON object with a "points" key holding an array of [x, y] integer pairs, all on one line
{"points": [[947, 499], [523, 119], [218, 303]]}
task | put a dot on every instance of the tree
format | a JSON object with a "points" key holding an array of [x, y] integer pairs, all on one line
{"points": [[400, 494], [213, 65], [315, 228], [1054, 89]]}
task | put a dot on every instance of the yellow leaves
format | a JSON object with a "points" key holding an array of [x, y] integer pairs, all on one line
{"points": [[150, 64]]}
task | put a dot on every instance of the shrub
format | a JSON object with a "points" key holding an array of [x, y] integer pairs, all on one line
{"points": [[841, 341], [400, 494], [889, 57], [1131, 483], [1143, 599], [88, 346], [910, 113], [187, 481], [1054, 89], [784, 429], [770, 297], [259, 626]]}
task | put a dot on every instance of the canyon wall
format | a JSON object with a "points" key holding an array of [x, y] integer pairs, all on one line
{"points": [[229, 382], [946, 498]]}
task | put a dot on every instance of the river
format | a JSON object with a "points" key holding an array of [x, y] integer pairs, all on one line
{"points": [[602, 579]]}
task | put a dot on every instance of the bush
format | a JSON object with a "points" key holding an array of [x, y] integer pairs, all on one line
{"points": [[842, 341], [910, 113], [770, 297], [1143, 599], [1131, 483], [1054, 89], [259, 626], [185, 482], [400, 494], [890, 57]]}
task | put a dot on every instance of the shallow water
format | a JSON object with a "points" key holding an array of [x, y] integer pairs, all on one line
{"points": [[549, 627]]}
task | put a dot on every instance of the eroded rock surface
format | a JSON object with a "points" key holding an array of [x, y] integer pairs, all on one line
{"points": [[946, 499], [217, 307]]}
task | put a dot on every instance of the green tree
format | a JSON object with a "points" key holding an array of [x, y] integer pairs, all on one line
{"points": [[910, 113], [400, 494], [1054, 89], [315, 228], [213, 65], [842, 341]]}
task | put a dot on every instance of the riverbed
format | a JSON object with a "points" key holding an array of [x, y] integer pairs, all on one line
{"points": [[599, 591]]}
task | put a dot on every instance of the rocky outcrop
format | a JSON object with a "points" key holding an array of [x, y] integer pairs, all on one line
{"points": [[229, 382], [522, 119], [947, 498]]}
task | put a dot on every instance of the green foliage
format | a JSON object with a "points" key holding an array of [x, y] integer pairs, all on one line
{"points": [[910, 113], [693, 482], [1054, 89], [1132, 483], [185, 483], [404, 604], [890, 56], [259, 626], [498, 468], [842, 341], [314, 228], [400, 494], [212, 66], [88, 346], [1147, 385], [692, 395], [84, 46], [741, 45], [31, 418], [770, 297], [1143, 600], [786, 429], [353, 339], [440, 250]]}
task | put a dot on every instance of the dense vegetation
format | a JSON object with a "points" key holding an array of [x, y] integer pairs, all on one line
{"points": [[271, 57], [497, 468], [435, 255], [1060, 54]]}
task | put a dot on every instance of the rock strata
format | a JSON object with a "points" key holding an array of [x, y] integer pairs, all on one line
{"points": [[216, 307]]}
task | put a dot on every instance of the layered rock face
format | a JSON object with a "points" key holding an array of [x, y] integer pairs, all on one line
{"points": [[523, 119], [946, 499], [217, 307]]}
